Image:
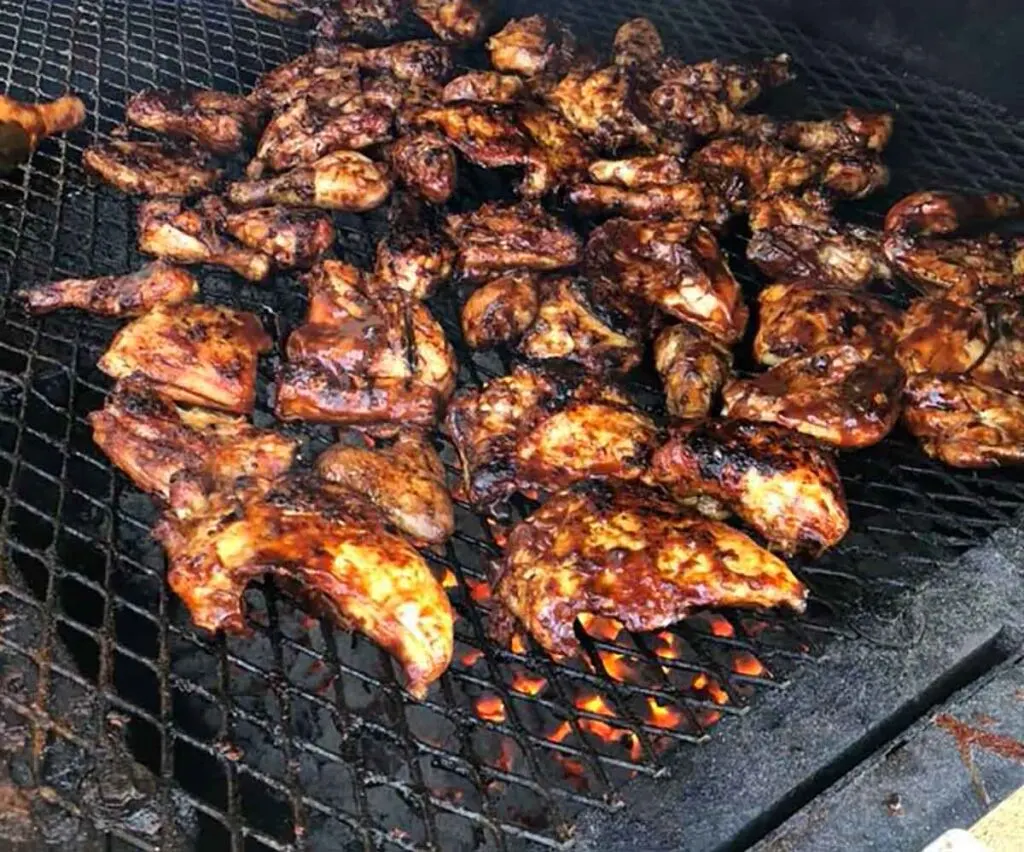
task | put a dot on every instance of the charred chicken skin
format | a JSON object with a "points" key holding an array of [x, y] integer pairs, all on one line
{"points": [[734, 84], [484, 87], [328, 543], [151, 168], [631, 556], [196, 354], [405, 481], [637, 44], [693, 366], [689, 200], [800, 318], [844, 395], [318, 75], [414, 256], [541, 428], [152, 440], [216, 121], [425, 163], [486, 135], [291, 238], [938, 335], [458, 21], [855, 130], [532, 47], [157, 283], [784, 485], [559, 155], [500, 311], [345, 19], [638, 172]]}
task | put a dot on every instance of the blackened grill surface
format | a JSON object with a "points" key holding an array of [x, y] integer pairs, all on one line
{"points": [[119, 719]]}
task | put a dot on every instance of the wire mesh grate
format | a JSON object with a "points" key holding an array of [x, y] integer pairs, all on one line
{"points": [[120, 720]]}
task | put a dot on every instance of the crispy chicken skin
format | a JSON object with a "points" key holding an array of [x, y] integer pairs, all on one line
{"points": [[604, 107], [318, 75], [291, 238], [784, 485], [484, 134], [690, 200], [532, 47], [484, 87], [570, 325], [1002, 366], [559, 155], [413, 256], [157, 283], [196, 354], [855, 130], [425, 163], [796, 237], [690, 116], [638, 172], [152, 440], [844, 395], [413, 61], [150, 168], [405, 481], [693, 366], [964, 423], [217, 121], [938, 335], [170, 229], [800, 318], [674, 266], [736, 85], [497, 238], [753, 169], [327, 543], [344, 180], [345, 19], [637, 44], [934, 213], [628, 555], [500, 310], [459, 21], [543, 427]]}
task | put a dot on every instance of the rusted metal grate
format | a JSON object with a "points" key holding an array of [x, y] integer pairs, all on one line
{"points": [[121, 721]]}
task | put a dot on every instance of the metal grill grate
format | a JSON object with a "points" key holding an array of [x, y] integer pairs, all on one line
{"points": [[118, 719]]}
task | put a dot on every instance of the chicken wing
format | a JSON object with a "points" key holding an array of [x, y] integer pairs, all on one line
{"points": [[844, 395], [405, 481], [559, 155], [855, 130], [485, 135], [216, 121], [637, 44], [157, 283], [425, 163], [532, 47], [689, 115], [543, 427], [484, 87], [693, 366], [190, 234], [801, 318], [414, 61], [638, 172], [631, 556], [305, 131], [346, 19], [318, 76], [151, 168], [735, 84], [196, 354], [604, 107], [459, 21], [26, 125], [413, 256], [571, 326], [291, 238], [325, 542], [497, 238], [692, 200], [784, 485], [674, 266], [938, 335], [500, 311], [753, 169], [344, 180], [152, 440], [796, 238]]}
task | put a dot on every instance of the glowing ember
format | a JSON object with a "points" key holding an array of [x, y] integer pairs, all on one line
{"points": [[699, 681], [616, 665], [596, 704], [573, 770], [506, 759], [527, 683], [718, 695], [600, 627], [747, 664], [561, 733], [471, 657], [669, 646], [449, 581], [518, 644], [491, 708], [479, 590], [663, 715], [707, 718], [720, 627]]}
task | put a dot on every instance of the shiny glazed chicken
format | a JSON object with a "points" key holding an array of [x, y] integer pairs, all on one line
{"points": [[151, 168], [216, 121], [693, 366]]}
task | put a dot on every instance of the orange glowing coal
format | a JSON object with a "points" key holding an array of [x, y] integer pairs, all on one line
{"points": [[600, 627], [663, 715], [616, 665], [505, 760], [449, 581], [518, 644], [720, 627], [479, 590], [561, 733], [526, 683], [669, 646], [747, 664], [470, 657], [490, 708], [595, 703]]}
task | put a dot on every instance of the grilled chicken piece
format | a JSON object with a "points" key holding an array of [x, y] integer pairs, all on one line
{"points": [[413, 256], [674, 266], [425, 163], [344, 180], [638, 172], [152, 440], [855, 130], [852, 176], [921, 243], [629, 555], [938, 335], [189, 234], [796, 237], [287, 11], [157, 283], [691, 200], [36, 122], [693, 366], [569, 325], [532, 47], [319, 76], [844, 395], [196, 354], [963, 423], [496, 238], [801, 318], [217, 121], [292, 238], [345, 19], [736, 85], [485, 135], [559, 155], [753, 169], [541, 428], [688, 115], [484, 87], [458, 21], [414, 61], [305, 131], [604, 107], [362, 358], [329, 544], [500, 311], [782, 484], [151, 168], [1002, 366], [404, 480], [637, 44]]}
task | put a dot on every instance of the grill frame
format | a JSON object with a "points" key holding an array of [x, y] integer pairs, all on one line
{"points": [[95, 703]]}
